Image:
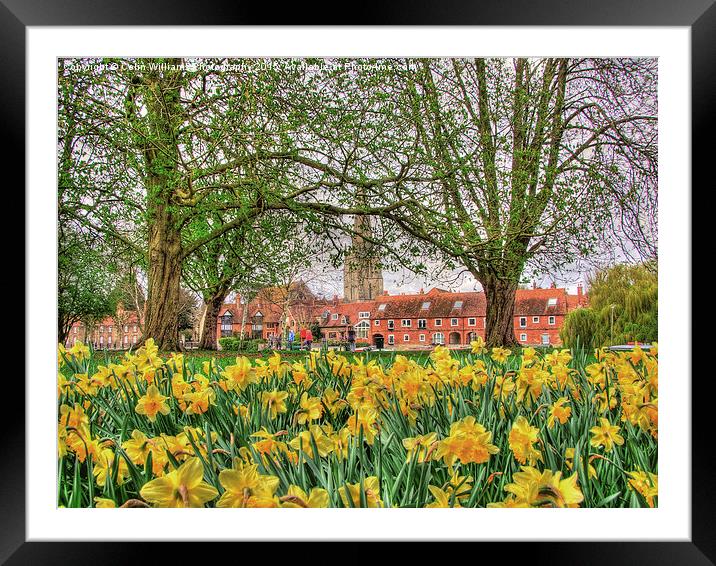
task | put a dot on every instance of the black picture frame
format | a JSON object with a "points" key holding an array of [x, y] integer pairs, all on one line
{"points": [[698, 15]]}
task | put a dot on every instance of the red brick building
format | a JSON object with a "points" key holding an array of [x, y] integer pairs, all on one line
{"points": [[406, 321], [272, 312], [119, 332]]}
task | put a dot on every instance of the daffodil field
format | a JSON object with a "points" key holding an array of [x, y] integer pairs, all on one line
{"points": [[478, 428]]}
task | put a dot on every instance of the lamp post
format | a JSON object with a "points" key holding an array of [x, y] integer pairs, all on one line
{"points": [[611, 332]]}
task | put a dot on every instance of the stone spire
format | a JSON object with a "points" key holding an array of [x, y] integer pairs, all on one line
{"points": [[362, 275]]}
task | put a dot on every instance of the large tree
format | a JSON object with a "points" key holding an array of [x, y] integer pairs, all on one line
{"points": [[164, 143], [532, 158]]}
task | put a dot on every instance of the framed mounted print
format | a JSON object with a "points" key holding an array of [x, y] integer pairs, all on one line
{"points": [[403, 277]]}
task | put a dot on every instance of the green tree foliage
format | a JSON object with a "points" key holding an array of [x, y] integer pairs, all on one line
{"points": [[580, 329], [85, 284], [623, 307]]}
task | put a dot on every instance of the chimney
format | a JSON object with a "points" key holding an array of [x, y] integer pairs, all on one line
{"points": [[580, 293], [385, 293], [553, 285], [421, 291], [534, 284], [335, 300]]}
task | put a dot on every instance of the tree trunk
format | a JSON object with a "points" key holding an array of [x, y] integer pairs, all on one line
{"points": [[499, 322], [211, 316], [63, 328], [165, 267]]}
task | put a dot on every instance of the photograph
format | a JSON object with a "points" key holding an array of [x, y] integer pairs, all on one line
{"points": [[357, 282]]}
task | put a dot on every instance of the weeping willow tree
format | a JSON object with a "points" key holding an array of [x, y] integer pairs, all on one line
{"points": [[623, 308]]}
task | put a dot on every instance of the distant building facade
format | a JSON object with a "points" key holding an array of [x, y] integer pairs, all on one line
{"points": [[119, 332], [412, 321]]}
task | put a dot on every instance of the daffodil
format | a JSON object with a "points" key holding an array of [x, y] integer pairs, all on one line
{"points": [[311, 409], [183, 487], [240, 375], [478, 346], [558, 412], [103, 503], [533, 488], [500, 355], [420, 445], [352, 495], [646, 484], [296, 497], [441, 498], [606, 435], [468, 442], [522, 437], [274, 402], [246, 487], [152, 403]]}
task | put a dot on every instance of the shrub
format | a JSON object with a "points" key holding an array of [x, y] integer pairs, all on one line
{"points": [[234, 344], [580, 329]]}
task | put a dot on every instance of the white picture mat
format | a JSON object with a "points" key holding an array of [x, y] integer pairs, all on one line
{"points": [[671, 521]]}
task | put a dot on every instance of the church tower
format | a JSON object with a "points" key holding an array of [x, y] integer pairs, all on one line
{"points": [[362, 274]]}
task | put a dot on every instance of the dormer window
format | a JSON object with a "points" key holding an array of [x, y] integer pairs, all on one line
{"points": [[381, 307], [551, 302], [457, 305], [426, 305], [334, 316]]}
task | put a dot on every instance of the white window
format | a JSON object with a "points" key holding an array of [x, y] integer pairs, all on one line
{"points": [[406, 337], [426, 305], [362, 329], [101, 340], [126, 327], [523, 337], [406, 323], [457, 305], [438, 322], [135, 327], [422, 323], [134, 339], [377, 322], [535, 319], [364, 315], [523, 321], [126, 339], [551, 320], [344, 320], [334, 316], [391, 339], [551, 302], [438, 338], [109, 329], [472, 322], [453, 322], [421, 337], [76, 328], [381, 307], [101, 328], [391, 324], [545, 339]]}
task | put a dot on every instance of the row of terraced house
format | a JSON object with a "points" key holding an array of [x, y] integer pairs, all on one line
{"points": [[403, 321]]}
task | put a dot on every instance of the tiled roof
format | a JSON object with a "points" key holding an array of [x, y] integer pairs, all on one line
{"points": [[349, 310], [438, 302], [441, 305]]}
